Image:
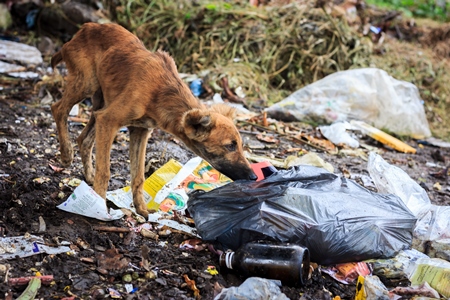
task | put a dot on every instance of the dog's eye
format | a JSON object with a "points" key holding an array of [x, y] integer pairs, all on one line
{"points": [[231, 147]]}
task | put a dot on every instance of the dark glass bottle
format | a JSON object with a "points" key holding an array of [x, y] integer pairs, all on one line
{"points": [[286, 262]]}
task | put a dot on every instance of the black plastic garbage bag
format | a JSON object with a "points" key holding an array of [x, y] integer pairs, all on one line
{"points": [[335, 218]]}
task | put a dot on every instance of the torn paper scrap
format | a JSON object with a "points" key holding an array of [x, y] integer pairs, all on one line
{"points": [[86, 202]]}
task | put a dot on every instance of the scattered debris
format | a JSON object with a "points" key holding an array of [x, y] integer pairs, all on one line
{"points": [[433, 223], [31, 290], [254, 288], [166, 189], [192, 286], [348, 273], [310, 159], [433, 271], [338, 135], [28, 245], [21, 281]]}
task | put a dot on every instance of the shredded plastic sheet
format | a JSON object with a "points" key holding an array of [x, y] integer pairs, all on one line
{"points": [[28, 245], [253, 288], [335, 218], [367, 94], [433, 220]]}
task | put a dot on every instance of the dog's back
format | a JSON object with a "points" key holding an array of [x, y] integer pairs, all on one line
{"points": [[85, 51]]}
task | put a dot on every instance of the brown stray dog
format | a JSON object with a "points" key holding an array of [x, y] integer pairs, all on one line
{"points": [[131, 86]]}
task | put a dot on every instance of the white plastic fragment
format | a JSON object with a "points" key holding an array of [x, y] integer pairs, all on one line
{"points": [[25, 54], [254, 288], [27, 245], [337, 134], [433, 221]]}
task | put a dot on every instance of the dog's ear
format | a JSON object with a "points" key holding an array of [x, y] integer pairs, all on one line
{"points": [[197, 124], [224, 109]]}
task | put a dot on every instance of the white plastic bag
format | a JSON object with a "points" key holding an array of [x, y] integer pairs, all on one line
{"points": [[254, 288], [433, 222], [369, 95], [337, 134]]}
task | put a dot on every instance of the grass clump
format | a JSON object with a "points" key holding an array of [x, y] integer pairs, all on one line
{"points": [[279, 48]]}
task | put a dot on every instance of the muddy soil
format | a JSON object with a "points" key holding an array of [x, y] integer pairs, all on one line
{"points": [[30, 188]]}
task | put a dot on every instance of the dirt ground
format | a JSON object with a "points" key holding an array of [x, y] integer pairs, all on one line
{"points": [[29, 148], [32, 184]]}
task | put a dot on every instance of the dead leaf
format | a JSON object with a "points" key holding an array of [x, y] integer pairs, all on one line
{"points": [[77, 119], [112, 260], [323, 143], [55, 168], [83, 244], [73, 182], [267, 138], [41, 180], [437, 186], [192, 286]]}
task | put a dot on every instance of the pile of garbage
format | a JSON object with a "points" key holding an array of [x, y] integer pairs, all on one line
{"points": [[287, 224]]}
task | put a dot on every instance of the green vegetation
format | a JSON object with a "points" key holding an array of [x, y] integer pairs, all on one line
{"points": [[272, 51], [433, 9], [269, 51]]}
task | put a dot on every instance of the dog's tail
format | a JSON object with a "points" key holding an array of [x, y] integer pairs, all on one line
{"points": [[56, 59]]}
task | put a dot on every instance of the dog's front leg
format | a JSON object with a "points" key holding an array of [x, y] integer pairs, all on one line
{"points": [[106, 128], [138, 145]]}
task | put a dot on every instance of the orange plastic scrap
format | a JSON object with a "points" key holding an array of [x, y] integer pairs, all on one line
{"points": [[192, 286], [348, 272], [351, 271], [383, 137]]}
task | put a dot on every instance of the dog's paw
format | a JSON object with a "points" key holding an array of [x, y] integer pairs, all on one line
{"points": [[142, 210], [66, 162], [89, 177], [66, 158]]}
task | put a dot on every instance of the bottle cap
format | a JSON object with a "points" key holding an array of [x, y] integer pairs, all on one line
{"points": [[226, 259]]}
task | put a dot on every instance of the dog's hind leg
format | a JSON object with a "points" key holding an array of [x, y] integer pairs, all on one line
{"points": [[73, 94], [138, 145], [87, 137]]}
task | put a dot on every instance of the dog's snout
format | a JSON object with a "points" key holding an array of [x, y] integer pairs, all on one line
{"points": [[252, 176]]}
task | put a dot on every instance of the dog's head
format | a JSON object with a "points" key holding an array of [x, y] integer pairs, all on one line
{"points": [[213, 136]]}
